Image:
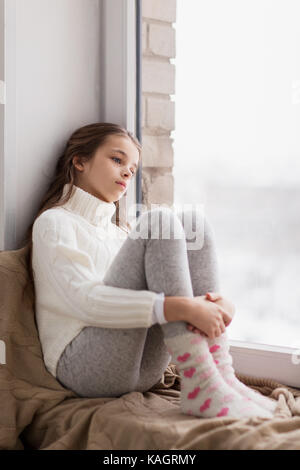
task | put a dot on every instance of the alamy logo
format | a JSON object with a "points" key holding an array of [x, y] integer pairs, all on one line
{"points": [[158, 223], [2, 352]]}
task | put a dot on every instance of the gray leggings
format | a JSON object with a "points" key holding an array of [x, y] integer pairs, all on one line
{"points": [[109, 362]]}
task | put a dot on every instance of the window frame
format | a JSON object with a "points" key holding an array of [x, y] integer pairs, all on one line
{"points": [[119, 65]]}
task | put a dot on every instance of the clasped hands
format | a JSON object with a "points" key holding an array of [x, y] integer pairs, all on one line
{"points": [[226, 308]]}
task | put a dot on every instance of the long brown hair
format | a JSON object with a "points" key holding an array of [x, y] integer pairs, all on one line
{"points": [[84, 142]]}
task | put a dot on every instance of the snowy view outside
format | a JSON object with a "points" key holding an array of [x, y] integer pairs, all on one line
{"points": [[237, 151]]}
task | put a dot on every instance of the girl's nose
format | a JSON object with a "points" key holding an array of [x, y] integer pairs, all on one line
{"points": [[126, 173]]}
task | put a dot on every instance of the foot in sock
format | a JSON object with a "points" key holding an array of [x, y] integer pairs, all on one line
{"points": [[204, 392], [219, 348]]}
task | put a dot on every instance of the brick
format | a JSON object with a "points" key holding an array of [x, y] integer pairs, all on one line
{"points": [[143, 111], [146, 183], [164, 10], [158, 77], [161, 191], [161, 114], [144, 37], [162, 40], [157, 151]]}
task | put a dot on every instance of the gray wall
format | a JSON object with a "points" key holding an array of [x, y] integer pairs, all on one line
{"points": [[53, 86]]}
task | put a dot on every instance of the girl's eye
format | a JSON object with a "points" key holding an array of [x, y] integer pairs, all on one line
{"points": [[116, 158]]}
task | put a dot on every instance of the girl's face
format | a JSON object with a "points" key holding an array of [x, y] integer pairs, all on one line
{"points": [[114, 162]]}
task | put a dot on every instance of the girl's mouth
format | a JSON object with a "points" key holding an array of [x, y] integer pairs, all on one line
{"points": [[122, 184]]}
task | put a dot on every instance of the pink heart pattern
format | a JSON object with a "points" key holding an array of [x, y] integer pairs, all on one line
{"points": [[194, 393], [184, 357], [205, 405], [223, 412], [190, 372], [246, 409], [229, 397], [206, 374], [214, 387], [201, 358], [230, 382], [214, 348], [196, 340]]}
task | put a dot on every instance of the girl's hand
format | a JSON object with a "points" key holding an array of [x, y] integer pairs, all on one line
{"points": [[213, 296], [226, 304], [207, 317]]}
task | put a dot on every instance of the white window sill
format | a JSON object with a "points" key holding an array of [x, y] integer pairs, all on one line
{"points": [[278, 363]]}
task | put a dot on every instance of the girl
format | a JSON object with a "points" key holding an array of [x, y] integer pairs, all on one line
{"points": [[115, 305]]}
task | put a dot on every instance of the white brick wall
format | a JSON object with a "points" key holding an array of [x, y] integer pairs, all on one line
{"points": [[158, 113], [158, 77], [161, 190], [162, 40], [154, 146], [164, 10]]}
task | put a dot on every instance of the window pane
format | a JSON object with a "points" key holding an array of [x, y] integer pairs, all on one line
{"points": [[237, 151]]}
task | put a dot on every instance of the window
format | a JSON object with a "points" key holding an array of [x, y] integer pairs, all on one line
{"points": [[237, 151]]}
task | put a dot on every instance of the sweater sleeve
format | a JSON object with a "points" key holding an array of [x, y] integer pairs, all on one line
{"points": [[158, 312], [72, 274]]}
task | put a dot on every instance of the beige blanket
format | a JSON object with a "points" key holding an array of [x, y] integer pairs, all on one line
{"points": [[36, 412]]}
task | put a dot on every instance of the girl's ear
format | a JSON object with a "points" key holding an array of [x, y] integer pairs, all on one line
{"points": [[77, 163]]}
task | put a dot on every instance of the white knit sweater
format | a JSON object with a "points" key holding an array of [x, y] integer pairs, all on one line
{"points": [[73, 246]]}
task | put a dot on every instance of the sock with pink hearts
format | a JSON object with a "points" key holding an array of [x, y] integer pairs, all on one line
{"points": [[204, 393], [219, 348]]}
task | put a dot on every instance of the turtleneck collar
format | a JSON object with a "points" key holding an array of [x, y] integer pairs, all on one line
{"points": [[88, 206]]}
